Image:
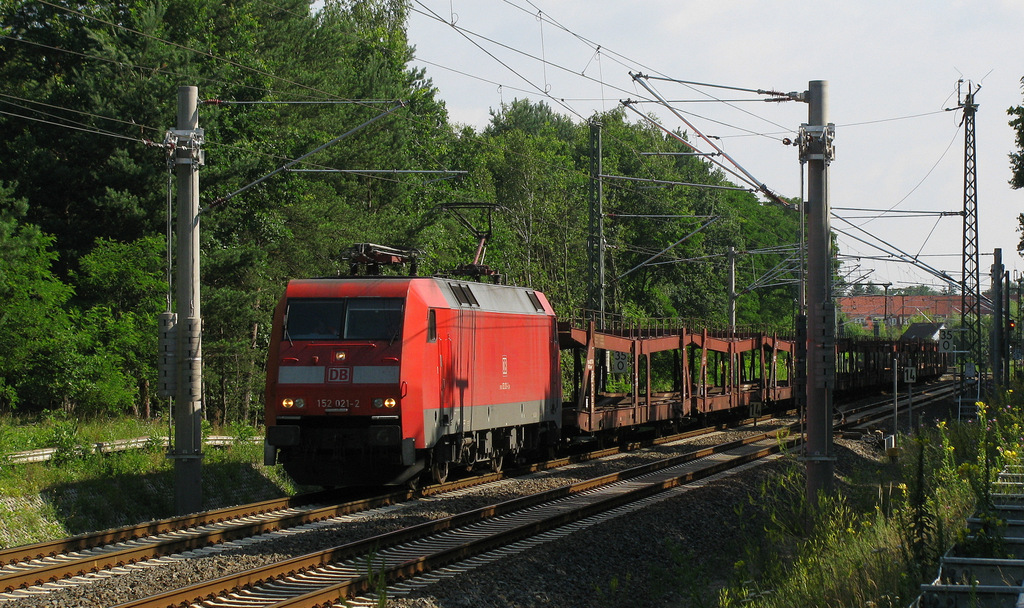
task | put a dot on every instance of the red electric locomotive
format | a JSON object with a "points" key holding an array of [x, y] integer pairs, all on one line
{"points": [[373, 379]]}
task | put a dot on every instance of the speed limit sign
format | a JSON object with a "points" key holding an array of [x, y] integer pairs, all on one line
{"points": [[620, 362], [946, 344]]}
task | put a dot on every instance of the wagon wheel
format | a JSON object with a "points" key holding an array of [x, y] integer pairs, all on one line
{"points": [[438, 469], [497, 462]]}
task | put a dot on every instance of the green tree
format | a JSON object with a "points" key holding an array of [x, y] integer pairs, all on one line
{"points": [[1017, 159], [120, 288], [33, 323]]}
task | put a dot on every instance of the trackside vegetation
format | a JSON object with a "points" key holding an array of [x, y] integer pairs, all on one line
{"points": [[880, 536], [81, 490]]}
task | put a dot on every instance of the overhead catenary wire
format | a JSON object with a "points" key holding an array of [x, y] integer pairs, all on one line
{"points": [[923, 179], [760, 186], [541, 16], [121, 63], [223, 199], [131, 123], [900, 255], [185, 48], [465, 34], [93, 130], [657, 255], [674, 183]]}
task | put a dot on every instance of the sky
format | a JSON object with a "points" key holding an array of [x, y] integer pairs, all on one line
{"points": [[892, 69]]}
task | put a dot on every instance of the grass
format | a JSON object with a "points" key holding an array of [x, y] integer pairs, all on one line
{"points": [[880, 536], [49, 429], [80, 491]]}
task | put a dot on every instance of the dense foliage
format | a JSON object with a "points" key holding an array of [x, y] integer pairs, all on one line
{"points": [[90, 90]]}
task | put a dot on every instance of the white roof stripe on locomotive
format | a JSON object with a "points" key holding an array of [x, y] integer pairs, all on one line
{"points": [[300, 374], [315, 374], [375, 374], [491, 297]]}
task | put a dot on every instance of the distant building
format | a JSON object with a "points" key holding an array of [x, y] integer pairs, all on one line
{"points": [[897, 310]]}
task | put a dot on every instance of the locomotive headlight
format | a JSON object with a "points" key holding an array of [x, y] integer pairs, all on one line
{"points": [[339, 355], [378, 402], [287, 403], [300, 402], [389, 402]]}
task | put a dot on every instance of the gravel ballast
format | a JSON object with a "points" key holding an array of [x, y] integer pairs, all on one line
{"points": [[677, 551]]}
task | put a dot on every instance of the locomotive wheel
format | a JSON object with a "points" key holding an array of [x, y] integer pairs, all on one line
{"points": [[498, 463], [439, 470]]}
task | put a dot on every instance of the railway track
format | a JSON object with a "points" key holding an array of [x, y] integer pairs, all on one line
{"points": [[53, 561], [321, 578], [50, 562]]}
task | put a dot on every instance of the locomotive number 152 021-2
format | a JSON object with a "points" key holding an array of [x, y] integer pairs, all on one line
{"points": [[337, 403]]}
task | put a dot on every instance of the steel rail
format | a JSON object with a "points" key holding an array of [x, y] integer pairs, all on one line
{"points": [[35, 574], [92, 540], [29, 565]]}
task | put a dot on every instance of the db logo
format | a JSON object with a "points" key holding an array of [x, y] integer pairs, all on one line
{"points": [[339, 374]]}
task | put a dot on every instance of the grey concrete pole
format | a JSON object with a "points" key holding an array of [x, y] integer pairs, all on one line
{"points": [[188, 447], [732, 289], [817, 150]]}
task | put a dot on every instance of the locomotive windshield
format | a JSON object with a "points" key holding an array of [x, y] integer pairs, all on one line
{"points": [[343, 319]]}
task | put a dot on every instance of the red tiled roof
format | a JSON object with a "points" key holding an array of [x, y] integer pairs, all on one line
{"points": [[945, 306]]}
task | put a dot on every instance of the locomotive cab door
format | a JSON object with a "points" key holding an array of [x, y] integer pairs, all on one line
{"points": [[446, 371]]}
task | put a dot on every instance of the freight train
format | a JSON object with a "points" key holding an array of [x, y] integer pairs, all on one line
{"points": [[383, 380]]}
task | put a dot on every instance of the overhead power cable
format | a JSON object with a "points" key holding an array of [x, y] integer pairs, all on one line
{"points": [[899, 255], [672, 183], [742, 173], [133, 66], [72, 111], [223, 199], [663, 251], [786, 96], [65, 125], [466, 34], [926, 175]]}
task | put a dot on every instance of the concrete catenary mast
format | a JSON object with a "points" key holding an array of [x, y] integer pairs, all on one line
{"points": [[817, 152], [187, 450]]}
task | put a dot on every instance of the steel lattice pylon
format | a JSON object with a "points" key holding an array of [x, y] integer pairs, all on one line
{"points": [[970, 311]]}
